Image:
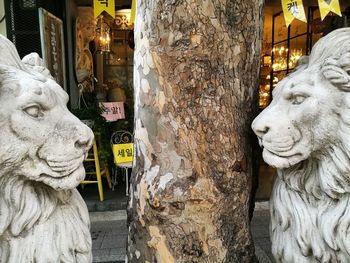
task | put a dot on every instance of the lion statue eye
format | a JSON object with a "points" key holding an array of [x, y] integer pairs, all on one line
{"points": [[33, 111], [298, 99]]}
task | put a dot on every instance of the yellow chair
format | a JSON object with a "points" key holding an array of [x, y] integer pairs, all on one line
{"points": [[122, 147], [93, 157]]}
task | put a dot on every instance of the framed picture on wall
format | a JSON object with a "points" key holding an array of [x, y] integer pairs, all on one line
{"points": [[52, 45]]}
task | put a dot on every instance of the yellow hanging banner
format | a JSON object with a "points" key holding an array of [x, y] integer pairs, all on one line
{"points": [[293, 9], [133, 10], [104, 5], [327, 6]]}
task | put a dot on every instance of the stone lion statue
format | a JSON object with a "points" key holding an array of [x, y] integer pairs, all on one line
{"points": [[305, 134], [42, 146]]}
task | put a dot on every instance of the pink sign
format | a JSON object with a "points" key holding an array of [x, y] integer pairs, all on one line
{"points": [[113, 111]]}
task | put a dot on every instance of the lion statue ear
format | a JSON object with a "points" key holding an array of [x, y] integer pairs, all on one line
{"points": [[337, 71], [9, 55], [34, 62], [9, 58]]}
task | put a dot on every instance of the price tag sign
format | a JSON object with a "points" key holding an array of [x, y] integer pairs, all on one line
{"points": [[123, 153], [113, 111]]}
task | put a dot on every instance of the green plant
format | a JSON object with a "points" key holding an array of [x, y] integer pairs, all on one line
{"points": [[91, 111]]}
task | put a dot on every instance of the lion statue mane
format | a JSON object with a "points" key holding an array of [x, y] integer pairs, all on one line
{"points": [[305, 134], [42, 146]]}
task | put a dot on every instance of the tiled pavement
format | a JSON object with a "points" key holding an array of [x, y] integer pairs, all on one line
{"points": [[109, 235], [260, 232]]}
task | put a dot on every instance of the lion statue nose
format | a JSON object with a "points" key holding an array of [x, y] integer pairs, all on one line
{"points": [[260, 127], [85, 138], [82, 143]]}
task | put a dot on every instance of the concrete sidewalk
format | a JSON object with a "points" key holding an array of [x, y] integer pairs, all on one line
{"points": [[260, 232], [109, 235]]}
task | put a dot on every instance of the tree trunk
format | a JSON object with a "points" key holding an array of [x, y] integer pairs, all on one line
{"points": [[196, 82]]}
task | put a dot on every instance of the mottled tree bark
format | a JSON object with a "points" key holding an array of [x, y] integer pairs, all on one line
{"points": [[196, 76]]}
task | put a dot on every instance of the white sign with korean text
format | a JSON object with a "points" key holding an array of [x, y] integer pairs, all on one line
{"points": [[113, 111]]}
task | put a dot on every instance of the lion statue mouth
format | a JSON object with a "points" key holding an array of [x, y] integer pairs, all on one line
{"points": [[66, 166], [282, 151], [61, 169], [282, 159], [63, 174]]}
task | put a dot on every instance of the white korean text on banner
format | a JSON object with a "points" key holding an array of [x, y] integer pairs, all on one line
{"points": [[293, 9]]}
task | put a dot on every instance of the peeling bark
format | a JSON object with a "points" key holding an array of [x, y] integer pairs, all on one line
{"points": [[196, 76]]}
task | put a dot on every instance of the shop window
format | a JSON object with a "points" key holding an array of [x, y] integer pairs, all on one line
{"points": [[119, 61], [284, 46]]}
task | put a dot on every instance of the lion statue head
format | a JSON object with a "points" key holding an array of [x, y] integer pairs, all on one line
{"points": [[42, 147], [308, 119], [305, 134]]}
